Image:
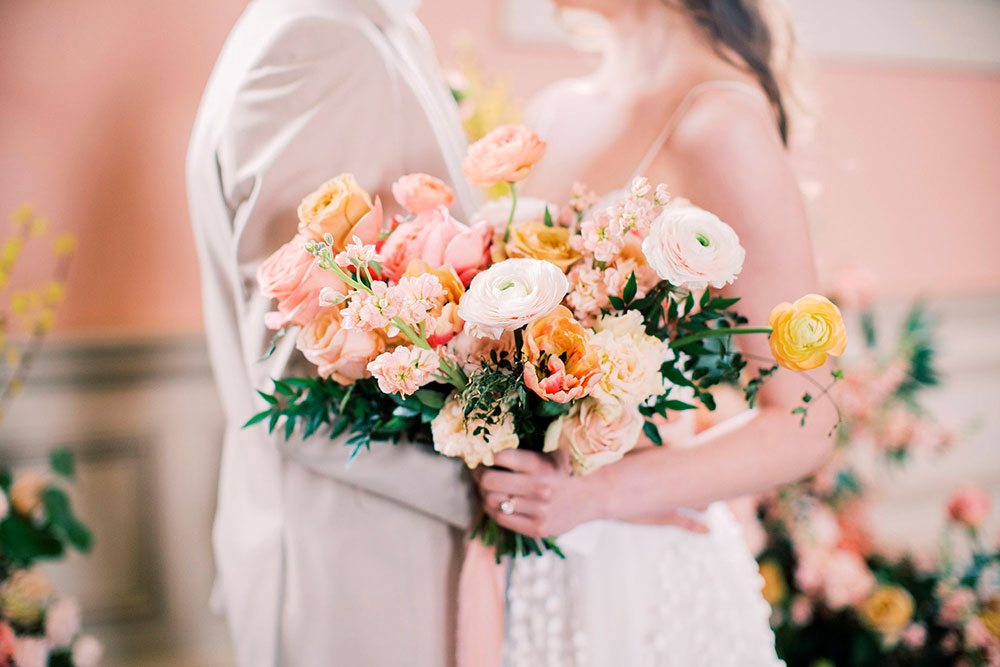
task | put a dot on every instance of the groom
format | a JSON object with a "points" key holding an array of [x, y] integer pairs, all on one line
{"points": [[318, 564]]}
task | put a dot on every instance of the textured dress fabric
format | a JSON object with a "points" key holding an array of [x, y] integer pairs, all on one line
{"points": [[318, 563], [644, 596]]}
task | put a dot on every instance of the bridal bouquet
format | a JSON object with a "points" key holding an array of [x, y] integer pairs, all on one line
{"points": [[578, 328]]}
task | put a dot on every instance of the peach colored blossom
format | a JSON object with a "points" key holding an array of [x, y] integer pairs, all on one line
{"points": [[404, 370], [8, 642], [600, 237], [438, 239], [560, 364], [630, 362], [372, 311], [443, 321], [506, 154], [473, 441], [957, 606], [419, 192], [26, 491], [802, 610], [839, 578], [590, 440], [915, 635], [969, 505], [588, 294], [357, 253], [539, 241], [581, 198], [693, 249], [293, 276], [339, 353], [339, 207], [418, 296]]}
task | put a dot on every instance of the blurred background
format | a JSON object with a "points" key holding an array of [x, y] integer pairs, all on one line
{"points": [[902, 172]]}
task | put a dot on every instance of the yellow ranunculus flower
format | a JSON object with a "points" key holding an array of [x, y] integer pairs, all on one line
{"points": [[775, 589], [805, 332], [888, 610], [537, 241]]}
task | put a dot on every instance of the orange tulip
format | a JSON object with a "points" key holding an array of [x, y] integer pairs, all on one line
{"points": [[559, 364]]}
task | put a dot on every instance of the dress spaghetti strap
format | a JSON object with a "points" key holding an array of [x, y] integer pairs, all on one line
{"points": [[682, 108]]}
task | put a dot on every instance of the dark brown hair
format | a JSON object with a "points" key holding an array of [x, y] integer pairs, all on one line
{"points": [[739, 27]]}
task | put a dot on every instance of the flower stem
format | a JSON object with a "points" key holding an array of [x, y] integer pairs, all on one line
{"points": [[715, 333], [513, 207]]}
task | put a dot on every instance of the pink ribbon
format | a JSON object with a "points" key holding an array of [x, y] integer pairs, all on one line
{"points": [[482, 591]]}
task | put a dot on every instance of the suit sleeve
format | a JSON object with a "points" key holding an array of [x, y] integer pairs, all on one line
{"points": [[322, 98]]}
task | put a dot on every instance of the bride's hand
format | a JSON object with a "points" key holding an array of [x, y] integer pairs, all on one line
{"points": [[547, 500]]}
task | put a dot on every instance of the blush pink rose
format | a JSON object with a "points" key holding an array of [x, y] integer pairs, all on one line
{"points": [[590, 441], [340, 354], [969, 505], [420, 192], [436, 238], [293, 277], [506, 154]]}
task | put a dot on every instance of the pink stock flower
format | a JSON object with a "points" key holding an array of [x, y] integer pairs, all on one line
{"points": [[506, 154], [581, 198], [438, 239], [587, 293], [969, 505], [404, 370], [840, 578], [420, 192], [600, 236], [802, 610], [357, 253], [977, 635], [418, 296], [293, 277], [369, 312]]}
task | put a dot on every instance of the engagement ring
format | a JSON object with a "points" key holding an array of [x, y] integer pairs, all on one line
{"points": [[507, 506]]}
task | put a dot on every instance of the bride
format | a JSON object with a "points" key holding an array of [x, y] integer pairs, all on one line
{"points": [[687, 96]]}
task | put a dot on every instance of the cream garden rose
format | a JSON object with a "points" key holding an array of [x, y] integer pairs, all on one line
{"points": [[630, 361], [338, 207], [340, 354], [511, 294], [691, 248], [590, 440], [456, 437]]}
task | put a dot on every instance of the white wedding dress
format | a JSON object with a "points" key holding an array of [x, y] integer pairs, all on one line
{"points": [[644, 596]]}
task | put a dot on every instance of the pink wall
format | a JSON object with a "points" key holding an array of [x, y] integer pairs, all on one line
{"points": [[98, 100]]}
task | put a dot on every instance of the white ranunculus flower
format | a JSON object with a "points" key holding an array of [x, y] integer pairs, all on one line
{"points": [[529, 209], [87, 652], [691, 248], [511, 294]]}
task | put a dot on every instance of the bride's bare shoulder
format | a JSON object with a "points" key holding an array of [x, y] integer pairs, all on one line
{"points": [[728, 127]]}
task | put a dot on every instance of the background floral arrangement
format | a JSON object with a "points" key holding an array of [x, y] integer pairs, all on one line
{"points": [[38, 626], [838, 598]]}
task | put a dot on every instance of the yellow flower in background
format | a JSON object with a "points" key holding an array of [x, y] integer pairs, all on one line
{"points": [[990, 616], [537, 241], [774, 589], [10, 251], [805, 332], [65, 244], [38, 226], [21, 215], [888, 610]]}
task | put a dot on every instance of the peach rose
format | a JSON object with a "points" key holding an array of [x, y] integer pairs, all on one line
{"points": [[506, 154], [560, 365], [437, 239], [805, 332], [420, 192], [293, 276], [969, 505], [340, 208], [590, 441], [536, 240], [340, 354]]}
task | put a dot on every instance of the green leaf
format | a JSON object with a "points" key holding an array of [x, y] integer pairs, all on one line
{"points": [[679, 405], [430, 398], [282, 388], [62, 463], [630, 288], [404, 412], [63, 521], [259, 417], [616, 302], [268, 397], [24, 543], [705, 298], [718, 303], [548, 217], [653, 433]]}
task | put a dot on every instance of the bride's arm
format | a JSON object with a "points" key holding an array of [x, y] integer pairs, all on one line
{"points": [[736, 167]]}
